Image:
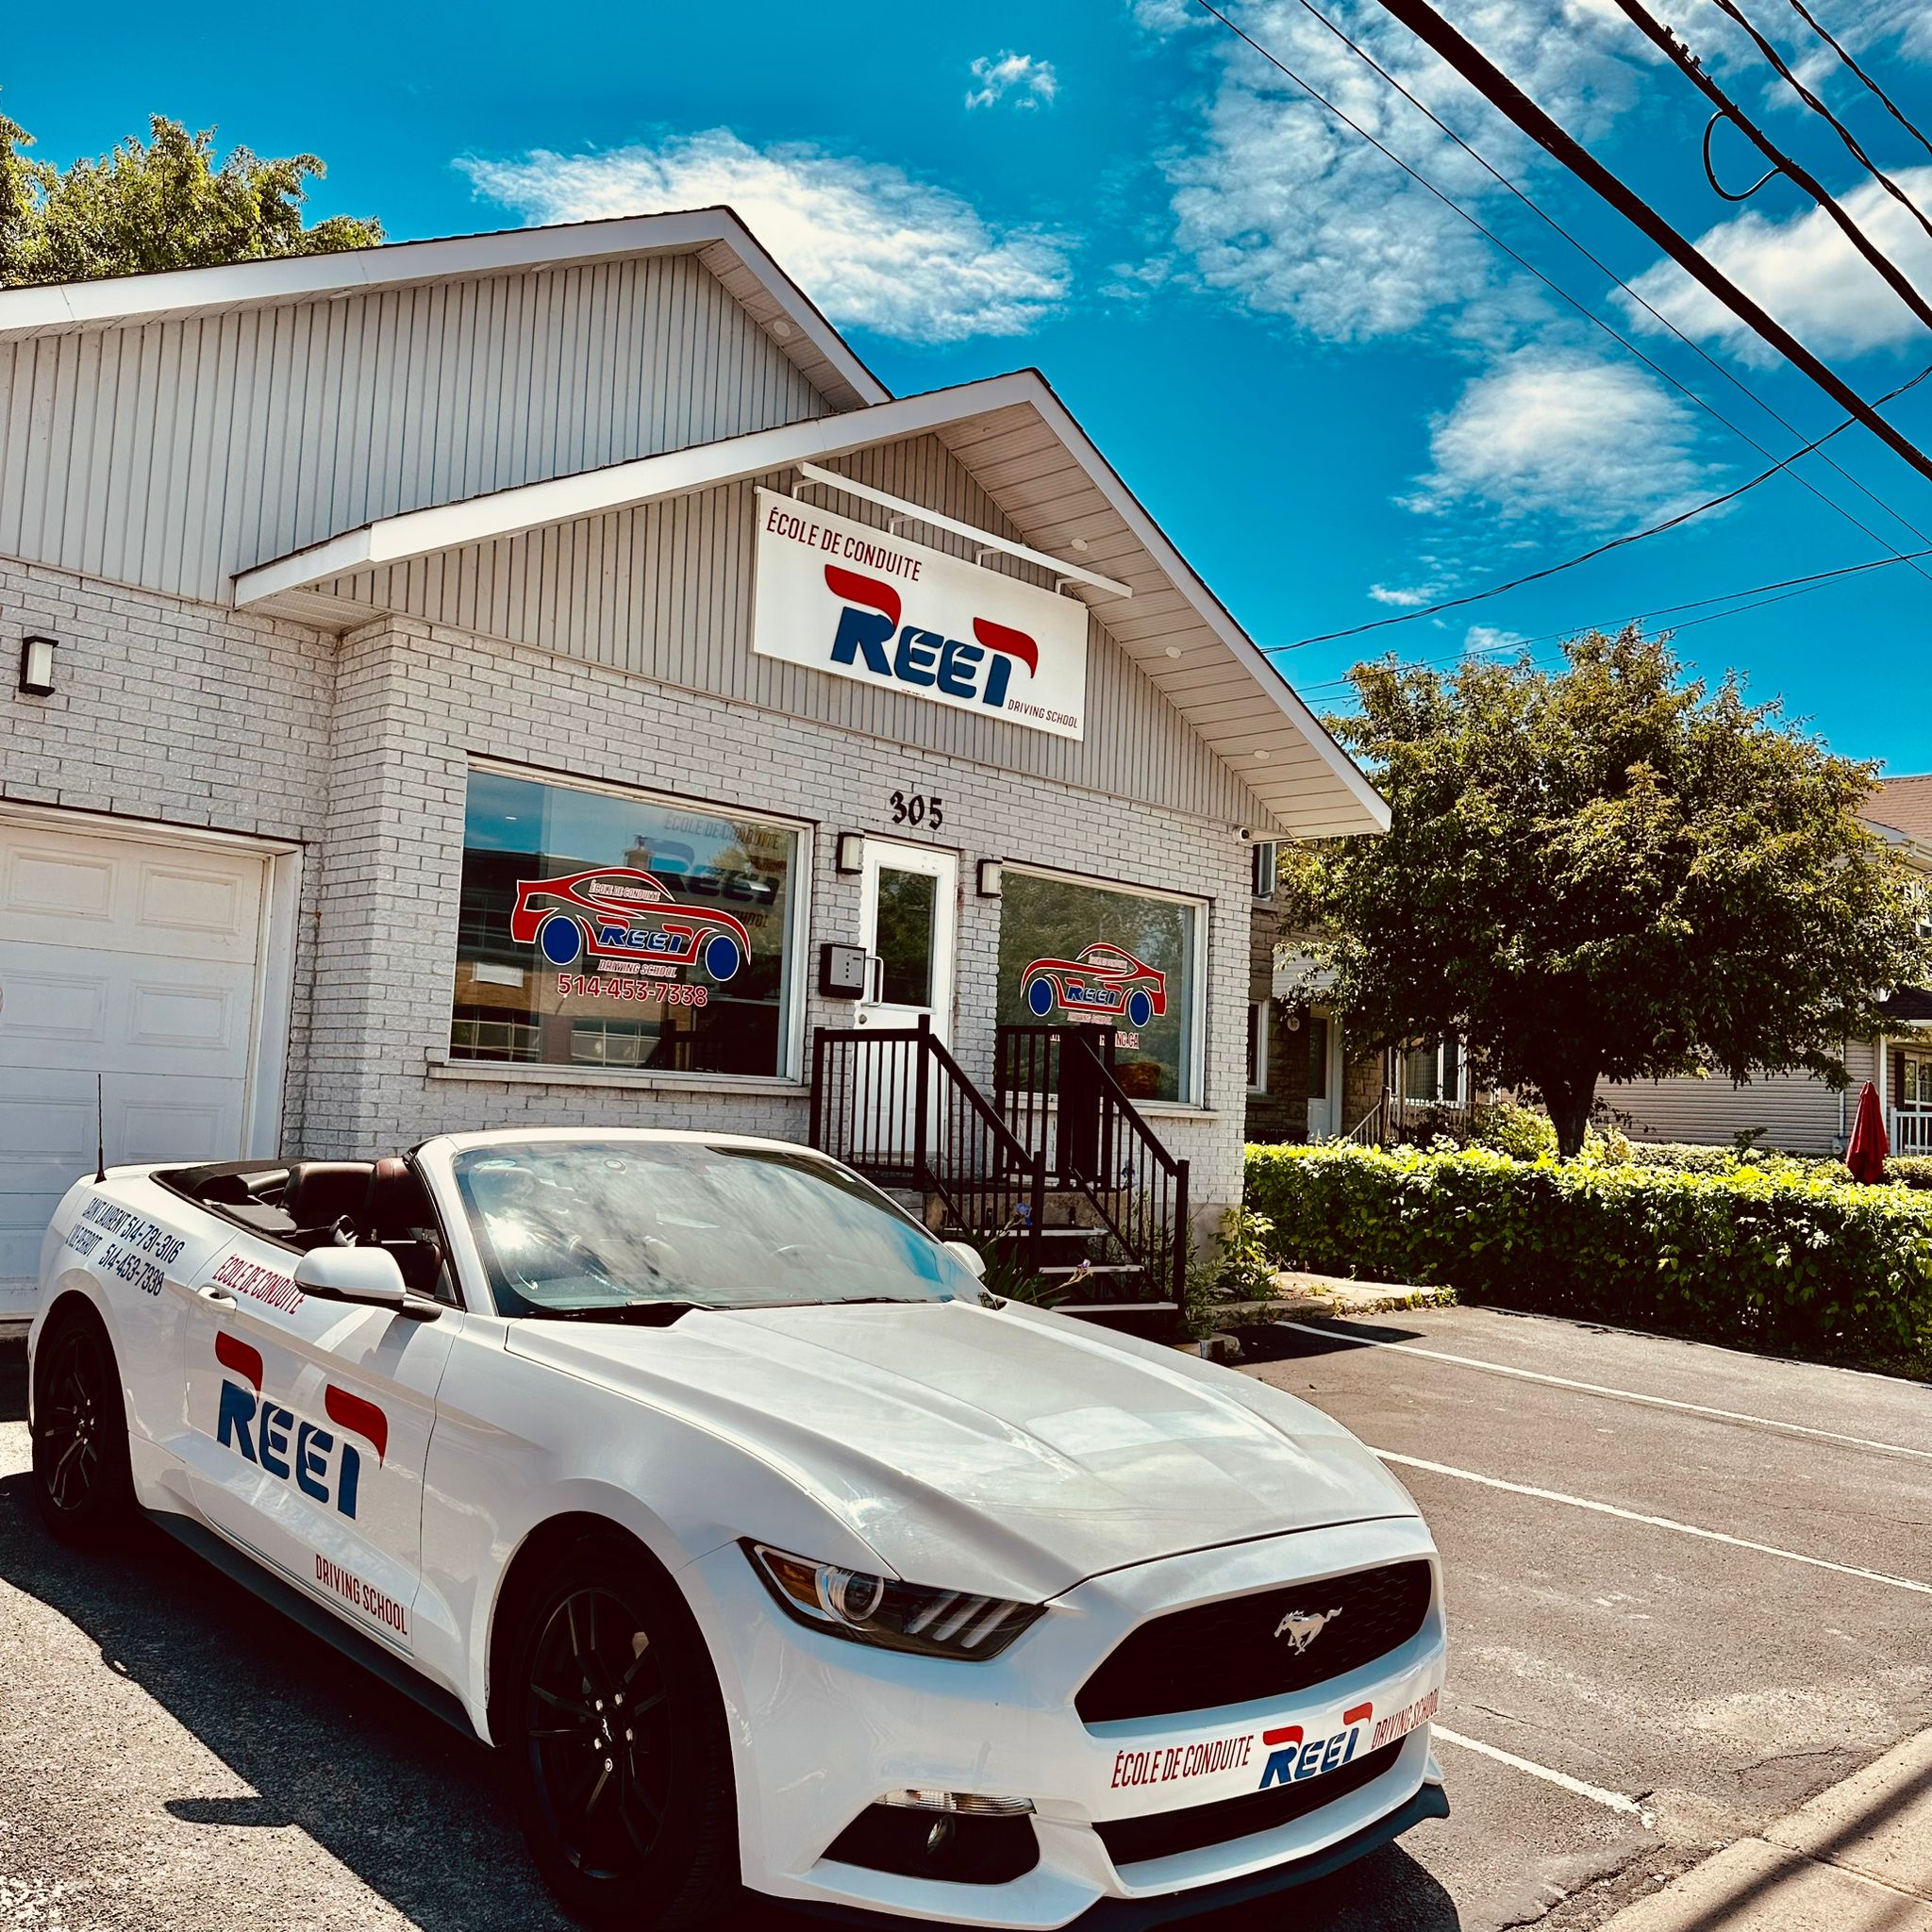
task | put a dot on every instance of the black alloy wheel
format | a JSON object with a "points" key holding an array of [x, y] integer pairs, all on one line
{"points": [[613, 1734], [81, 1478], [600, 1746]]}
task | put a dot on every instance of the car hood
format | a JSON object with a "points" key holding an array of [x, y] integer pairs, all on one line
{"points": [[990, 1447]]}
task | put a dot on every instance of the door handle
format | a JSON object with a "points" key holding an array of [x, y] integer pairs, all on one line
{"points": [[212, 1294]]}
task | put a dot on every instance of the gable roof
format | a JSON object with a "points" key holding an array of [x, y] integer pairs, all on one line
{"points": [[1023, 448], [714, 235], [1902, 804]]}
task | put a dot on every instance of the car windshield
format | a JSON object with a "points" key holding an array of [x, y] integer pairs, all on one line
{"points": [[596, 1227]]}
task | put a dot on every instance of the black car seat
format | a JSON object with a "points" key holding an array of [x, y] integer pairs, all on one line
{"points": [[320, 1194], [394, 1213]]}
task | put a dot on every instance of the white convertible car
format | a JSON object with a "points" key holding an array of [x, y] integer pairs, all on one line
{"points": [[765, 1544]]}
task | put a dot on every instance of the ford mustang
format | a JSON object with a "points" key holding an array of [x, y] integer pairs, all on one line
{"points": [[766, 1546]]}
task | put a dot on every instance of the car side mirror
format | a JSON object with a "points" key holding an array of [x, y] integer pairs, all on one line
{"points": [[960, 1251], [368, 1276]]}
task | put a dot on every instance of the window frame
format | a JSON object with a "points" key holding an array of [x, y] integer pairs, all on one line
{"points": [[1257, 1056], [1193, 1098], [1272, 848], [793, 1016]]}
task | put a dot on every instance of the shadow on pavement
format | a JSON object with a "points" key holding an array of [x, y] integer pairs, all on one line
{"points": [[408, 1807]]}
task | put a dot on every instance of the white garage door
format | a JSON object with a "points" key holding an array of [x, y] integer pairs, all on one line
{"points": [[136, 960]]}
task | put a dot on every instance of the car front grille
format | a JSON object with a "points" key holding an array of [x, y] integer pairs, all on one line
{"points": [[1238, 1650], [1134, 1841]]}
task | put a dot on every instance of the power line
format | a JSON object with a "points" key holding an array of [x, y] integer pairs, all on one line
{"points": [[1678, 53], [1891, 107], [1656, 314], [1854, 146], [1551, 570], [1488, 79], [1792, 585]]}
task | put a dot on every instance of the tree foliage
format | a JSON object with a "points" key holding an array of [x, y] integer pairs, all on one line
{"points": [[161, 204], [1605, 873]]}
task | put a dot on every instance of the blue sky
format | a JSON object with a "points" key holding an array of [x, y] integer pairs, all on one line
{"points": [[1341, 402]]}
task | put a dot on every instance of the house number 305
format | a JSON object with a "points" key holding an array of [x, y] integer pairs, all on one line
{"points": [[917, 808]]}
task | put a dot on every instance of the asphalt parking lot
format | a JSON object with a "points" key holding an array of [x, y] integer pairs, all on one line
{"points": [[1626, 1693]]}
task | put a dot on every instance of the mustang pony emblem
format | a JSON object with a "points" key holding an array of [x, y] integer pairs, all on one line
{"points": [[1301, 1627]]}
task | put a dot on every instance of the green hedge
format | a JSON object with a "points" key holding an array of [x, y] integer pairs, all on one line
{"points": [[1762, 1257]]}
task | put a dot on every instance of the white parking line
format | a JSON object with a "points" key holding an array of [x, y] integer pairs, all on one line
{"points": [[1728, 1415], [1614, 1801], [1713, 1536]]}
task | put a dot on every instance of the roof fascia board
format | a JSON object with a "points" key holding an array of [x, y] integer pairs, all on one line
{"points": [[123, 300]]}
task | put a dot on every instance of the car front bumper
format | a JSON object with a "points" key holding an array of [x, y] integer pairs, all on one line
{"points": [[823, 1728]]}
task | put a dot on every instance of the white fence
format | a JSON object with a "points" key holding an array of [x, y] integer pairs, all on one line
{"points": [[1911, 1129]]}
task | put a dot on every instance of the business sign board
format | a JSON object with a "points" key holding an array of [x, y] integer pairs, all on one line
{"points": [[855, 602]]}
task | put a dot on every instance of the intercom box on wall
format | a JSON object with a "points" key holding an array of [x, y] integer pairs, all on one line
{"points": [[842, 971]]}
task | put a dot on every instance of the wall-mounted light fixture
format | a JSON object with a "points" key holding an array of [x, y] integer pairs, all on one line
{"points": [[37, 666], [851, 852], [988, 879]]}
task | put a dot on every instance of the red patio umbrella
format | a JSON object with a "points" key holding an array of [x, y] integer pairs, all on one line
{"points": [[1866, 1155]]}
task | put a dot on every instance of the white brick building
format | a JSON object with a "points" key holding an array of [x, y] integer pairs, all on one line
{"points": [[379, 586]]}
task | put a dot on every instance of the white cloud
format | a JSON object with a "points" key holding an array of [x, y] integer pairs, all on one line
{"points": [[1807, 274], [1030, 83], [1488, 640], [1556, 432], [873, 247], [1404, 597], [1164, 17], [1292, 213]]}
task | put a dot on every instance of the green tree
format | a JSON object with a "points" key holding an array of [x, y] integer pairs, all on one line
{"points": [[1605, 873], [160, 205]]}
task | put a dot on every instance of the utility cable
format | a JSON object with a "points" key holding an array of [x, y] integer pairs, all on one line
{"points": [[1852, 146], [1656, 314], [1678, 53], [1891, 105], [1792, 586], [1670, 523], [1489, 80]]}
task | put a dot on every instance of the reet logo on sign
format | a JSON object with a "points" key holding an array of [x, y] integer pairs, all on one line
{"points": [[923, 659], [855, 602]]}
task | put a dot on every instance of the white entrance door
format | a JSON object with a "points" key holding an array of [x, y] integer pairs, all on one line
{"points": [[909, 920], [135, 960], [1324, 1077]]}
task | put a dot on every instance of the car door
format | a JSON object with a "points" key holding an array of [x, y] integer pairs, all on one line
{"points": [[308, 1423]]}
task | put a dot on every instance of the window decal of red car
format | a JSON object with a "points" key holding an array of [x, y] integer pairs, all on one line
{"points": [[618, 913], [1105, 981]]}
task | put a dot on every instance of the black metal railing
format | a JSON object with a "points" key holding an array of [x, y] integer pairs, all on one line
{"points": [[893, 1105], [1058, 1092]]}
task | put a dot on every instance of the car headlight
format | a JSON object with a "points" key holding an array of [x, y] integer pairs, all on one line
{"points": [[882, 1610]]}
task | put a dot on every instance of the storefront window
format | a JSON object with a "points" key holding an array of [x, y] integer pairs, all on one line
{"points": [[603, 930], [1071, 952]]}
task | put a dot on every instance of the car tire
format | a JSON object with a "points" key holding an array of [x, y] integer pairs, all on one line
{"points": [[83, 1483], [630, 1823]]}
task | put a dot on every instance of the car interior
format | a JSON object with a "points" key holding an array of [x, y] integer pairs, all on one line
{"points": [[315, 1204]]}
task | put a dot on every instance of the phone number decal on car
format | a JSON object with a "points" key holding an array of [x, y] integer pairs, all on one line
{"points": [[669, 992]]}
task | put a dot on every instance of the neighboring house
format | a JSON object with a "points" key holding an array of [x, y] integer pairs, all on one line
{"points": [[1305, 1082], [1798, 1112], [464, 683]]}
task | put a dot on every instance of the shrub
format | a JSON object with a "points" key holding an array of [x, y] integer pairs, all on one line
{"points": [[1762, 1255]]}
